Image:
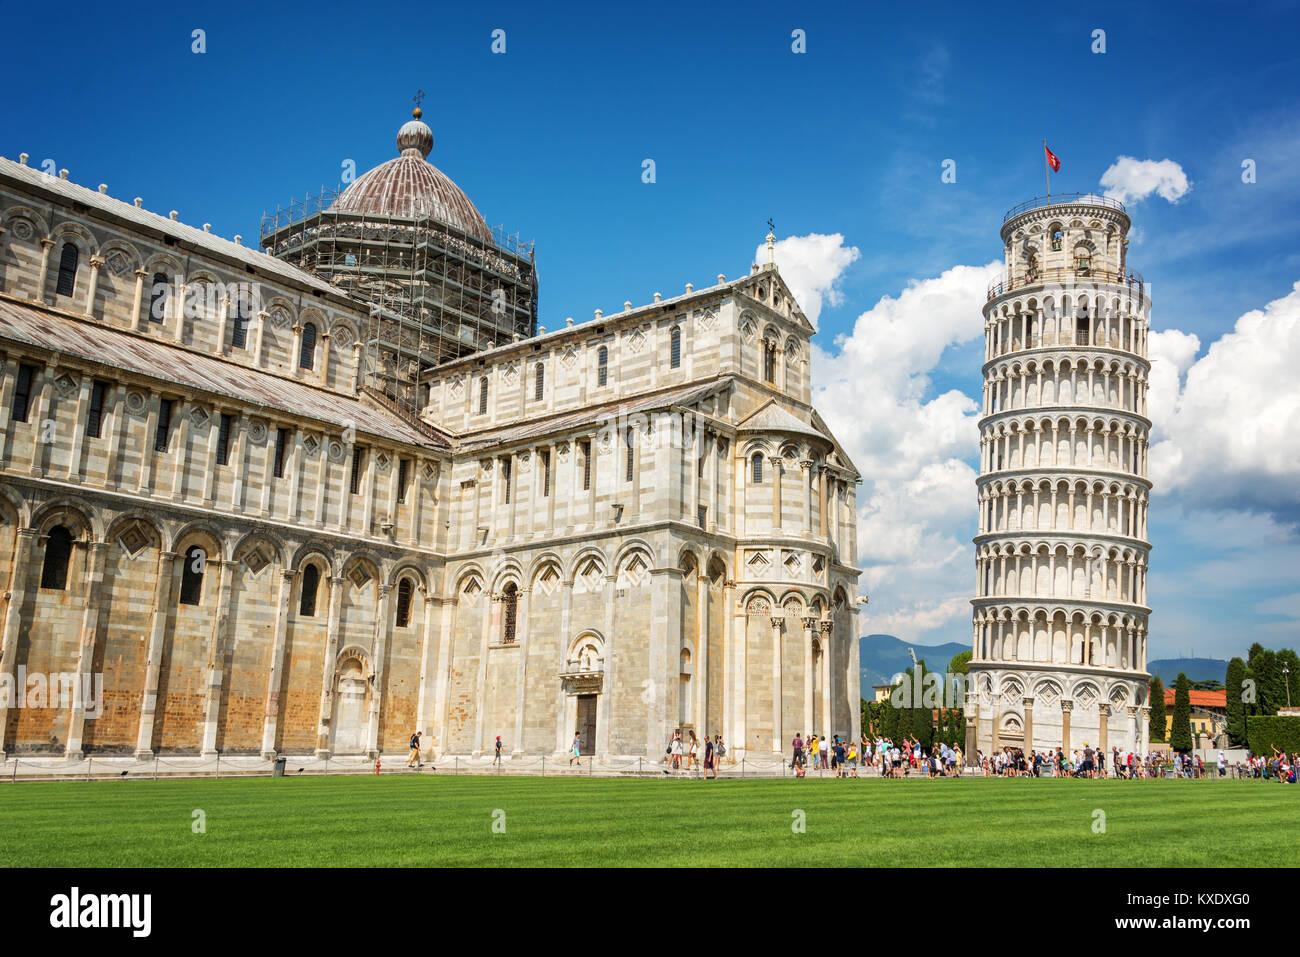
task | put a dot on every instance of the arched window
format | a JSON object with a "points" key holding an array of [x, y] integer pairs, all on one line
{"points": [[67, 283], [482, 395], [602, 366], [58, 550], [1056, 238], [192, 575], [756, 468], [675, 348], [631, 454], [307, 349], [539, 382], [509, 619], [158, 297], [310, 586], [769, 360], [239, 336], [403, 603]]}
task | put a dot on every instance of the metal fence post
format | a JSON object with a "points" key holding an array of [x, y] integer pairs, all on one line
{"points": [[89, 762], [742, 767]]}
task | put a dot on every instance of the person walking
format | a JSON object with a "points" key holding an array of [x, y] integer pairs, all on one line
{"points": [[708, 757], [575, 751], [414, 759], [691, 751], [496, 758]]}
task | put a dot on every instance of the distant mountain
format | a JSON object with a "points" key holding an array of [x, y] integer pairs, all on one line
{"points": [[884, 656], [1196, 669]]}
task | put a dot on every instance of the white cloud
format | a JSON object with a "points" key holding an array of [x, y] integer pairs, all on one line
{"points": [[811, 266], [1130, 180], [916, 504], [1230, 437]]}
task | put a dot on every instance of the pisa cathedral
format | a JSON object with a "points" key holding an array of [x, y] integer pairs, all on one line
{"points": [[1060, 614], [311, 496]]}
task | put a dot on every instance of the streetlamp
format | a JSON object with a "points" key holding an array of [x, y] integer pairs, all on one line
{"points": [[1286, 675]]}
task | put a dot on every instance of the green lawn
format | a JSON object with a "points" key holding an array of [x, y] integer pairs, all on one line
{"points": [[443, 820]]}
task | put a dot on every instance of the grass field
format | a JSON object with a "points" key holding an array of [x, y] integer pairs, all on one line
{"points": [[428, 820]]}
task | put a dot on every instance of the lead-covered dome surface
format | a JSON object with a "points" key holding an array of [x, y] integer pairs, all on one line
{"points": [[410, 187]]}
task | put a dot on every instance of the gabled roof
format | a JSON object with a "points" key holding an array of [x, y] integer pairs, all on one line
{"points": [[772, 277], [147, 357], [773, 417], [36, 181], [591, 415]]}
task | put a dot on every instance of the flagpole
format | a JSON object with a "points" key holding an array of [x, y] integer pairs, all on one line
{"points": [[1047, 175]]}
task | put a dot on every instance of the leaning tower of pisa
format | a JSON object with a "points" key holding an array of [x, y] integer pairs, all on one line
{"points": [[1060, 610]]}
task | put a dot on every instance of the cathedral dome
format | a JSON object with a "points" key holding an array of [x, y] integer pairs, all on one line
{"points": [[410, 187]]}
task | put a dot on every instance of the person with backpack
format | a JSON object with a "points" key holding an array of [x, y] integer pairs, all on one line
{"points": [[414, 760]]}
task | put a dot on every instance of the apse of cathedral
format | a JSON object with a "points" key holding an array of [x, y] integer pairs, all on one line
{"points": [[313, 493]]}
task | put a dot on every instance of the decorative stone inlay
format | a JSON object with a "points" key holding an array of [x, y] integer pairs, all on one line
{"points": [[23, 229], [706, 319], [430, 472], [119, 263], [747, 330], [757, 561], [310, 446], [636, 341], [136, 403], [343, 337], [133, 540], [335, 450], [198, 416], [511, 373], [359, 576], [383, 461], [66, 385], [257, 432], [256, 558], [569, 359], [280, 317], [457, 388], [792, 565], [562, 450]]}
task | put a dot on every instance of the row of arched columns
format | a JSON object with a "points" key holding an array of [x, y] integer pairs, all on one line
{"points": [[1063, 505], [1111, 444], [1047, 571], [1011, 385], [1064, 637]]}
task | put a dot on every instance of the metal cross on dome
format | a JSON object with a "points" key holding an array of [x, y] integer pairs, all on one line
{"points": [[770, 227], [418, 98]]}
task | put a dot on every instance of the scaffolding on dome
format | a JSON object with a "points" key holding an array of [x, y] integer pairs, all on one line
{"points": [[434, 292]]}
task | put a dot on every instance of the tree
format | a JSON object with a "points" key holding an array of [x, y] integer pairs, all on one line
{"points": [[1158, 717], [1180, 732], [1236, 706]]}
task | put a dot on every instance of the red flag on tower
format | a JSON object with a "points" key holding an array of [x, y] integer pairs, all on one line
{"points": [[1053, 160]]}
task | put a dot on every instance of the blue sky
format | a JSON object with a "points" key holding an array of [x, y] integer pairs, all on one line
{"points": [[847, 139]]}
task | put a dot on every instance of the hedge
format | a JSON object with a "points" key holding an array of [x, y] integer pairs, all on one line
{"points": [[1266, 732]]}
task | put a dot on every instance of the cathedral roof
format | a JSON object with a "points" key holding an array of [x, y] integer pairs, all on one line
{"points": [[408, 186], [772, 417], [34, 180], [156, 360]]}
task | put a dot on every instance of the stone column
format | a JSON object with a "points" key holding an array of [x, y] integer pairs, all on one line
{"points": [[326, 717], [86, 650], [1132, 743], [701, 651], [972, 730], [775, 461], [47, 244], [138, 319], [826, 627], [383, 624], [1144, 729], [777, 622], [13, 619], [1103, 726], [1028, 703], [805, 466], [272, 715], [1066, 707], [995, 717], [521, 639], [809, 629], [95, 265], [168, 569], [216, 678]]}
